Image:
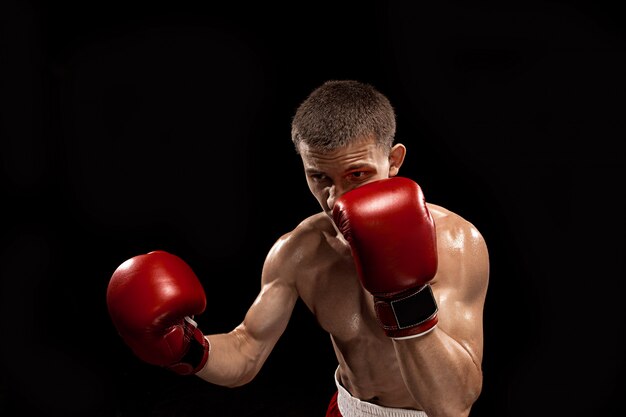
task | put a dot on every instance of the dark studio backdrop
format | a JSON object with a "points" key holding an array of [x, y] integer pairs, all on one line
{"points": [[133, 126]]}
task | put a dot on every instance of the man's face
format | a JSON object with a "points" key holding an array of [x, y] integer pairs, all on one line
{"points": [[331, 174]]}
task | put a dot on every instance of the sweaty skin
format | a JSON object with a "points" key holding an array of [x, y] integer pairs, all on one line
{"points": [[439, 372]]}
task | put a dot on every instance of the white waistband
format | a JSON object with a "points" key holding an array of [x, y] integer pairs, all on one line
{"points": [[350, 406]]}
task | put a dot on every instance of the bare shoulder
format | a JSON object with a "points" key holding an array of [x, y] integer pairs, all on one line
{"points": [[298, 251], [463, 254], [453, 230]]}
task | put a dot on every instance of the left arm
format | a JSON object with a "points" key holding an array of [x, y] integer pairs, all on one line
{"points": [[442, 369], [428, 287]]}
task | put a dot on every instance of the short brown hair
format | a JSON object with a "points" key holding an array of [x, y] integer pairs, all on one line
{"points": [[339, 112]]}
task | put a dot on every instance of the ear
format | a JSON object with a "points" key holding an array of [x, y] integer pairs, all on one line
{"points": [[396, 158]]}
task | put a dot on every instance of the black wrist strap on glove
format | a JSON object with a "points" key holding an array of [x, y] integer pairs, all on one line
{"points": [[409, 314]]}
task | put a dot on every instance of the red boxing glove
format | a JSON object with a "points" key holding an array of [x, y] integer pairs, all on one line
{"points": [[393, 241], [151, 299]]}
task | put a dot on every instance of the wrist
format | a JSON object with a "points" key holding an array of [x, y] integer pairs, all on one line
{"points": [[411, 313], [197, 352]]}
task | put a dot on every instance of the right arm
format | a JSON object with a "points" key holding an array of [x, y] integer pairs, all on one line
{"points": [[152, 297], [236, 357]]}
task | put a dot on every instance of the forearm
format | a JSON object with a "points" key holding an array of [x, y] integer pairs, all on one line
{"points": [[440, 373], [236, 357], [233, 361]]}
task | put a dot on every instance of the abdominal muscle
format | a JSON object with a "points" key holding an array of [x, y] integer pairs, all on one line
{"points": [[369, 370]]}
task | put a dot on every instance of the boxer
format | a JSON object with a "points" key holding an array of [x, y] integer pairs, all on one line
{"points": [[398, 283]]}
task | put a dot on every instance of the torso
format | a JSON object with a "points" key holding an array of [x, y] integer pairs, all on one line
{"points": [[330, 287]]}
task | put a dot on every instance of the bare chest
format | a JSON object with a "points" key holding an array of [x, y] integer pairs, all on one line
{"points": [[367, 358], [335, 296]]}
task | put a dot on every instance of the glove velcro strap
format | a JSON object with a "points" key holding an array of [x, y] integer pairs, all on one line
{"points": [[197, 353], [409, 314]]}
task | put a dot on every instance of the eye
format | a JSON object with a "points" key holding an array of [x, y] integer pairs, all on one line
{"points": [[357, 175], [317, 177]]}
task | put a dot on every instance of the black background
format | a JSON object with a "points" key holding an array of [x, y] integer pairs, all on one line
{"points": [[133, 126]]}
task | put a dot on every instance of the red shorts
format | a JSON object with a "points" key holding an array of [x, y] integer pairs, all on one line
{"points": [[333, 408]]}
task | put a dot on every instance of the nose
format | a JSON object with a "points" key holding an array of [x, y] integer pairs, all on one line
{"points": [[333, 195]]}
